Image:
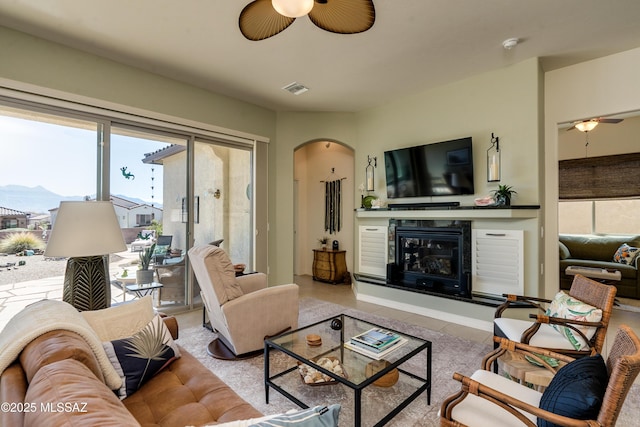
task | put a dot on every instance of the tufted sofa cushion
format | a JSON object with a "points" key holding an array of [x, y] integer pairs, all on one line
{"points": [[55, 346], [59, 366], [84, 398], [186, 390]]}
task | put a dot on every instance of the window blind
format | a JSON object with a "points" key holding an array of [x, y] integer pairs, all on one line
{"points": [[603, 177]]}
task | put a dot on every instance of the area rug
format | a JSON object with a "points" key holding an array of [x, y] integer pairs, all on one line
{"points": [[450, 354]]}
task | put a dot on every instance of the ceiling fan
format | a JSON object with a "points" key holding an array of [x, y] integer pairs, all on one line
{"points": [[262, 19], [589, 125]]}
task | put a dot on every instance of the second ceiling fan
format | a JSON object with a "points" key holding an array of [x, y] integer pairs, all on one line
{"points": [[588, 125], [262, 19]]}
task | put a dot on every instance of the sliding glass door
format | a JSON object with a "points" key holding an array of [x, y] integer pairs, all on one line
{"points": [[148, 180], [169, 185], [223, 199]]}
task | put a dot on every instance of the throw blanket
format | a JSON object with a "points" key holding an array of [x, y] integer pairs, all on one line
{"points": [[48, 315]]}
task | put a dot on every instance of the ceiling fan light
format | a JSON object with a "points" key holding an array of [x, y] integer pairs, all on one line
{"points": [[586, 126], [292, 8]]}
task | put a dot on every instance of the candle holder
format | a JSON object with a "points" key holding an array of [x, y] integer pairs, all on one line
{"points": [[493, 160], [369, 173]]}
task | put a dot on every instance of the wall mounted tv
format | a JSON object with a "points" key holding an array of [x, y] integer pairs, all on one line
{"points": [[439, 169]]}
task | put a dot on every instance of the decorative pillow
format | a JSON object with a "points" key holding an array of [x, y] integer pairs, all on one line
{"points": [[577, 390], [564, 251], [566, 307], [122, 320], [626, 254], [141, 356], [319, 416]]}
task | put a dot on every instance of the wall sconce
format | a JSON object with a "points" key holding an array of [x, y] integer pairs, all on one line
{"points": [[493, 160], [370, 177], [216, 194]]}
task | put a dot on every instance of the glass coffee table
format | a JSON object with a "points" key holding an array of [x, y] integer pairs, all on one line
{"points": [[381, 388]]}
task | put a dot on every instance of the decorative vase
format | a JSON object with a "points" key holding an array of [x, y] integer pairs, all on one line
{"points": [[503, 200], [144, 276]]}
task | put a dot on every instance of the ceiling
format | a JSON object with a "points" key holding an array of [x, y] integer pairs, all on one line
{"points": [[413, 45]]}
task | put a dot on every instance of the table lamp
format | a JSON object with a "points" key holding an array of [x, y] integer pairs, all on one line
{"points": [[86, 232]]}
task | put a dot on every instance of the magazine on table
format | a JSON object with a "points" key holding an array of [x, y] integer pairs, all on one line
{"points": [[377, 355], [375, 339]]}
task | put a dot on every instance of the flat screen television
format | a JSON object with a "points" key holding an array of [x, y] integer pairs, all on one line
{"points": [[439, 169]]}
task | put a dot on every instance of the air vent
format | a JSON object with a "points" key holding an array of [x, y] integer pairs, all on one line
{"points": [[296, 88]]}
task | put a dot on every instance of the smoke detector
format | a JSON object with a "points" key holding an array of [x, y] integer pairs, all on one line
{"points": [[295, 88], [510, 43]]}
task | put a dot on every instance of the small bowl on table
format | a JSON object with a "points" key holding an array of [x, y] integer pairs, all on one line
{"points": [[313, 340]]}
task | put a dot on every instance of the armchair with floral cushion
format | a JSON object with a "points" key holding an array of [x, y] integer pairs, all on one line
{"points": [[588, 391], [573, 323]]}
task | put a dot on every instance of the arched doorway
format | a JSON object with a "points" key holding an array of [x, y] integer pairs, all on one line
{"points": [[316, 163]]}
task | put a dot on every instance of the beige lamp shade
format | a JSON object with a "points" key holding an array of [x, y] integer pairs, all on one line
{"points": [[86, 228]]}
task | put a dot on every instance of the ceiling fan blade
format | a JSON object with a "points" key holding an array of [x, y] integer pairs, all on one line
{"points": [[259, 20], [609, 120], [599, 120], [343, 16]]}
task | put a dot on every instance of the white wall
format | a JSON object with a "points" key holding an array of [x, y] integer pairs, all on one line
{"points": [[294, 130], [43, 67], [506, 102], [595, 88]]}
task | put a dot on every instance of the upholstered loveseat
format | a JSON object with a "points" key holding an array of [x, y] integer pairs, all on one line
{"points": [[599, 251], [59, 378]]}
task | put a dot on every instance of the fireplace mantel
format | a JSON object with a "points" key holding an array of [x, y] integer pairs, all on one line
{"points": [[455, 309], [457, 212]]}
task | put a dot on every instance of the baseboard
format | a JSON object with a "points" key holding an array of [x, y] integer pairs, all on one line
{"points": [[422, 311]]}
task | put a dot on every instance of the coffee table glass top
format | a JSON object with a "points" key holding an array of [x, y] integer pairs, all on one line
{"points": [[380, 390], [333, 338]]}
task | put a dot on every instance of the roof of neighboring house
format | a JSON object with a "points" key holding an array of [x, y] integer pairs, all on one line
{"points": [[123, 203], [8, 212], [157, 156], [128, 204], [41, 217]]}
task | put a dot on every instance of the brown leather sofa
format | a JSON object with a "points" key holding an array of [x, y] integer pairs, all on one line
{"points": [[57, 381]]}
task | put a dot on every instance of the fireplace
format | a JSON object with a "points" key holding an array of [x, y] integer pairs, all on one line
{"points": [[431, 256]]}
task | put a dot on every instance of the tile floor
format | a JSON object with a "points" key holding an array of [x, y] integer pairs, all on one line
{"points": [[342, 294], [14, 297]]}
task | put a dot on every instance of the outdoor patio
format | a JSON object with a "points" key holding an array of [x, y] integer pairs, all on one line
{"points": [[16, 292]]}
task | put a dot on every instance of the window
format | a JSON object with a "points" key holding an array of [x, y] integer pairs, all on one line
{"points": [[9, 223], [144, 219], [144, 168], [599, 216]]}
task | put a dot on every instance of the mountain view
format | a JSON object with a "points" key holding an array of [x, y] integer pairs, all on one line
{"points": [[39, 199]]}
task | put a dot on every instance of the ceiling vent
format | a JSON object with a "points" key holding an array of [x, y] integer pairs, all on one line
{"points": [[296, 88]]}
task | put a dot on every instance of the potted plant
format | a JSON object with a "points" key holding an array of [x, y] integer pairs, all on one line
{"points": [[144, 274], [323, 242], [503, 195]]}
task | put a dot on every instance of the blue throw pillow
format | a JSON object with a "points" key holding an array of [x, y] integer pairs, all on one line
{"points": [[319, 416], [141, 356], [577, 390]]}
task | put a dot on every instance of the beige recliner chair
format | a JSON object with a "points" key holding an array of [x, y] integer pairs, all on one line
{"points": [[242, 310]]}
